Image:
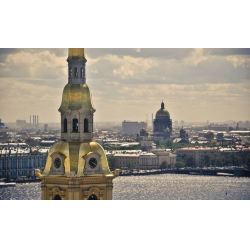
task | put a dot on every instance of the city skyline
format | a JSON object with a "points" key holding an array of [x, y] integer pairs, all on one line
{"points": [[195, 84]]}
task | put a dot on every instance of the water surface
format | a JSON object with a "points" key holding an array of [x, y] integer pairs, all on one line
{"points": [[156, 187]]}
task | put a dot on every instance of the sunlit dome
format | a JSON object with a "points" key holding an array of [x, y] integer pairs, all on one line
{"points": [[161, 113]]}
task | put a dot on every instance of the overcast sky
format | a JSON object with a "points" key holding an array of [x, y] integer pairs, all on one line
{"points": [[126, 84]]}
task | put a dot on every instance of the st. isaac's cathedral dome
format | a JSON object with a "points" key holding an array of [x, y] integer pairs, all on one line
{"points": [[162, 112]]}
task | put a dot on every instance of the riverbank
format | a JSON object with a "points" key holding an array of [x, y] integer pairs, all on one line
{"points": [[211, 172], [28, 181]]}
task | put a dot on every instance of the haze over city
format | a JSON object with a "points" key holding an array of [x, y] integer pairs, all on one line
{"points": [[196, 85], [33, 151]]}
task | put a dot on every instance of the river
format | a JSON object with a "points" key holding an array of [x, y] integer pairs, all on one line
{"points": [[156, 187]]}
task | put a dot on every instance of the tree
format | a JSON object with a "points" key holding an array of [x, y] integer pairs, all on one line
{"points": [[183, 157], [189, 161], [206, 160], [220, 161], [112, 162], [209, 135], [248, 160], [179, 164], [235, 160], [213, 162], [164, 165], [157, 142], [169, 143], [238, 161]]}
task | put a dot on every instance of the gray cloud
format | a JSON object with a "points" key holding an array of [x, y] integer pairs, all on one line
{"points": [[196, 85], [143, 52], [228, 51]]}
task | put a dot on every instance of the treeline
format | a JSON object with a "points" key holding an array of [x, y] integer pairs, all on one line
{"points": [[208, 161], [169, 144]]}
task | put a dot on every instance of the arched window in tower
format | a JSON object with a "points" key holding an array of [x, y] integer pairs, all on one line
{"points": [[76, 72], [81, 72], [65, 125], [86, 125], [92, 197], [57, 197], [70, 72], [75, 125]]}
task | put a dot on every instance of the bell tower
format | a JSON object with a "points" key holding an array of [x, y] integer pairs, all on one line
{"points": [[77, 166], [76, 108]]}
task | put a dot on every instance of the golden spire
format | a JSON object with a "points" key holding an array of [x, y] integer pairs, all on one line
{"points": [[76, 54]]}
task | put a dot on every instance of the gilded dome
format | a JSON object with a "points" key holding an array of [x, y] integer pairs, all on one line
{"points": [[75, 97], [162, 112], [74, 155]]}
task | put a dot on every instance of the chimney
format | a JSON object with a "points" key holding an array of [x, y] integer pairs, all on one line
{"points": [[37, 120], [30, 119], [33, 120]]}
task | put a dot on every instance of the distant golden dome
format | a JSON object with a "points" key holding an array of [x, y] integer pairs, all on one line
{"points": [[162, 112]]}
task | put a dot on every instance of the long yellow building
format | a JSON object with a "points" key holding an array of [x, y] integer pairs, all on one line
{"points": [[77, 166]]}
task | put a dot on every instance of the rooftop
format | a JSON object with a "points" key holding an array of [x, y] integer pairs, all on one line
{"points": [[197, 149]]}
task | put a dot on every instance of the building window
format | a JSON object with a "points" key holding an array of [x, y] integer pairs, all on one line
{"points": [[65, 125], [75, 125], [70, 72], [86, 125], [76, 72], [81, 72]]}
